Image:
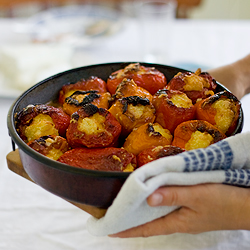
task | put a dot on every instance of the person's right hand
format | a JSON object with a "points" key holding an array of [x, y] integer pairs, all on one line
{"points": [[205, 207]]}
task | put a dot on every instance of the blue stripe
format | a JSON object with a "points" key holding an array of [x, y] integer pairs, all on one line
{"points": [[218, 156], [240, 177]]}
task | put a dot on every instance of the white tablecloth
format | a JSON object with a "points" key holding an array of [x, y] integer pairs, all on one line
{"points": [[31, 218]]}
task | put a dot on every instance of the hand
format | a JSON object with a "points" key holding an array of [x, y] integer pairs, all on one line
{"points": [[205, 207], [234, 76]]}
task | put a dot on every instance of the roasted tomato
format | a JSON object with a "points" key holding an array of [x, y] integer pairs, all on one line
{"points": [[129, 88], [148, 78], [79, 98], [198, 85], [93, 127], [104, 159], [36, 121], [52, 146], [155, 153], [146, 136], [93, 83], [196, 134], [222, 110], [172, 108], [132, 111]]}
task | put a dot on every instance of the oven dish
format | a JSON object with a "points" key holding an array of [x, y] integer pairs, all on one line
{"points": [[90, 187]]}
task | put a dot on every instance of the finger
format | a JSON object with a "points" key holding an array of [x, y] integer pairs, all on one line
{"points": [[172, 196], [166, 225]]}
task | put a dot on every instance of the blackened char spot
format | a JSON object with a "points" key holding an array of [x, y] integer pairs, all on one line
{"points": [[90, 109], [168, 151], [134, 100], [42, 140], [91, 95], [151, 130], [75, 116]]}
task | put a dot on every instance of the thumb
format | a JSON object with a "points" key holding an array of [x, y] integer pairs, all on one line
{"points": [[171, 196]]}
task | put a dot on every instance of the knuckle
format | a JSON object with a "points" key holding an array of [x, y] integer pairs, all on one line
{"points": [[174, 199]]}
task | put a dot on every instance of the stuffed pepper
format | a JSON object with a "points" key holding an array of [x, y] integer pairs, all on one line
{"points": [[92, 83], [93, 127], [79, 98], [129, 88], [131, 112], [104, 159], [198, 85], [222, 110], [156, 152], [146, 136], [52, 146], [196, 134], [36, 121], [172, 108], [148, 78]]}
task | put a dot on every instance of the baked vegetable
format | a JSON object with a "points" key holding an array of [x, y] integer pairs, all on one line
{"points": [[92, 83], [131, 112], [93, 127], [148, 78], [146, 136], [196, 134], [172, 108], [196, 85], [104, 159], [129, 88], [52, 146], [36, 121], [222, 110], [156, 152], [140, 120], [79, 98]]}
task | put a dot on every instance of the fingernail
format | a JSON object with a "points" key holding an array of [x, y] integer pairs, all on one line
{"points": [[155, 199]]}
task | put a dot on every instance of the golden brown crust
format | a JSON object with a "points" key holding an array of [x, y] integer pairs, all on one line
{"points": [[35, 121], [104, 159], [222, 110], [198, 85], [132, 112], [206, 132], [51, 146], [156, 152]]}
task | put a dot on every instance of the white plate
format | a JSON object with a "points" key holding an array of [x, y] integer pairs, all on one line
{"points": [[79, 25]]}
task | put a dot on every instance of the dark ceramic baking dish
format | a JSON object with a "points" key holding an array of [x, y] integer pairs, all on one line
{"points": [[91, 187]]}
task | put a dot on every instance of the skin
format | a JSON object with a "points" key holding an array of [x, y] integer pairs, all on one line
{"points": [[234, 76], [205, 207]]}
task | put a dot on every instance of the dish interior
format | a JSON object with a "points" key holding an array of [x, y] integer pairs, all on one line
{"points": [[46, 91]]}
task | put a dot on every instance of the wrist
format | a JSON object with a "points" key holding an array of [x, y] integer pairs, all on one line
{"points": [[242, 70], [235, 76]]}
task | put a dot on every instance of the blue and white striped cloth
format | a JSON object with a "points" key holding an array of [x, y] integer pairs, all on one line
{"points": [[226, 162]]}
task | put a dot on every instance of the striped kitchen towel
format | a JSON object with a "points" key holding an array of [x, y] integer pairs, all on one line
{"points": [[227, 162]]}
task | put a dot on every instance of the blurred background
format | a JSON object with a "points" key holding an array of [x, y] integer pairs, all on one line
{"points": [[43, 37], [195, 9]]}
